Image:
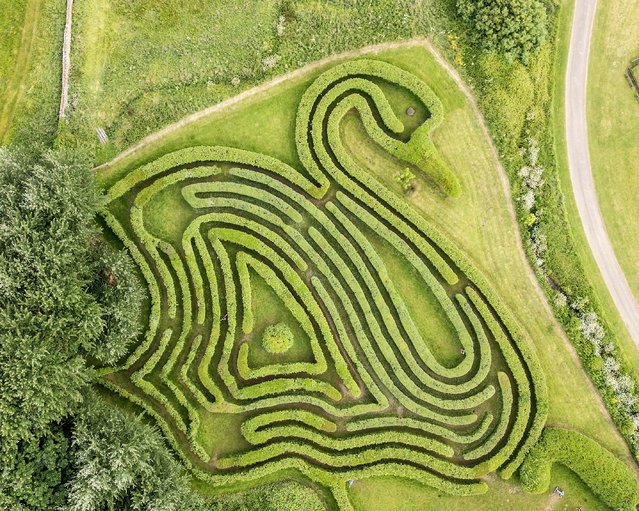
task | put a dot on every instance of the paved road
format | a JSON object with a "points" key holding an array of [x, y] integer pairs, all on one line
{"points": [[581, 174]]}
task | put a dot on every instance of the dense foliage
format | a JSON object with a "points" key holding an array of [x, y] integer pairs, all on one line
{"points": [[34, 473], [277, 338], [516, 28], [64, 295], [47, 317], [607, 477], [122, 463], [119, 296], [65, 298]]}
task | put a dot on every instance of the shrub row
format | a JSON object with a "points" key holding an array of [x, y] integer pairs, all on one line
{"points": [[307, 111], [529, 358], [243, 260], [524, 409], [416, 261], [312, 307], [324, 221], [201, 154], [252, 424], [360, 441], [406, 422], [383, 343], [398, 205], [336, 460], [400, 209], [372, 356], [500, 431], [387, 315], [258, 213], [603, 472], [190, 193]]}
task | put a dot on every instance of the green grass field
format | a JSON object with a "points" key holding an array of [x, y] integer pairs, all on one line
{"points": [[613, 124], [139, 66], [14, 56], [478, 222], [30, 70]]}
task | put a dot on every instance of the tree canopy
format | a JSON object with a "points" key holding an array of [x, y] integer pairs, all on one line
{"points": [[46, 314], [123, 464], [64, 295], [516, 28]]}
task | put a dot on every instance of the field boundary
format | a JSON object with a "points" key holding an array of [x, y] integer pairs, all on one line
{"points": [[66, 59]]}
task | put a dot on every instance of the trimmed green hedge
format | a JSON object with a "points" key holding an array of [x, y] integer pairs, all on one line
{"points": [[603, 472]]}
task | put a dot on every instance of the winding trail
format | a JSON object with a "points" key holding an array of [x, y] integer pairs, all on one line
{"points": [[583, 184]]}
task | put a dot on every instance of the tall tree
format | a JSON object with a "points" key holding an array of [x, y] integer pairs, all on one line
{"points": [[124, 465], [46, 315], [33, 477], [516, 28]]}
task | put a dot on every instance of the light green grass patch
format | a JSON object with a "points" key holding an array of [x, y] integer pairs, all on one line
{"points": [[613, 128]]}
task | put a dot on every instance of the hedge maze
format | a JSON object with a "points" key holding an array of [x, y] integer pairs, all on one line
{"points": [[367, 395]]}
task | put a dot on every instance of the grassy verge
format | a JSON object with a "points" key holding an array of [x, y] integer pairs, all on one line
{"points": [[18, 24], [581, 244], [380, 494], [613, 125]]}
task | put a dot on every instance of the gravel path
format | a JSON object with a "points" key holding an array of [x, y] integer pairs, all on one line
{"points": [[583, 184]]}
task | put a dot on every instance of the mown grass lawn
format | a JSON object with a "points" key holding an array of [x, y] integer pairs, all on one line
{"points": [[613, 124], [479, 222], [580, 243]]}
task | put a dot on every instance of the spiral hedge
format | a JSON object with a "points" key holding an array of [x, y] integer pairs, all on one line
{"points": [[375, 399]]}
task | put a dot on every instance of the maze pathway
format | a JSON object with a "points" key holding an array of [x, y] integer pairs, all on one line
{"points": [[370, 396]]}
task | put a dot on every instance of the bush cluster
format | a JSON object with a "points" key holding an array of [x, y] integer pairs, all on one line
{"points": [[516, 28], [277, 338], [607, 476]]}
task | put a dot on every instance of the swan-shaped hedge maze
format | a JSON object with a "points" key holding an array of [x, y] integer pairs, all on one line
{"points": [[373, 399]]}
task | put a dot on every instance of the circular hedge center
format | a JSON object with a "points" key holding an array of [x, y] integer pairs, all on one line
{"points": [[277, 338]]}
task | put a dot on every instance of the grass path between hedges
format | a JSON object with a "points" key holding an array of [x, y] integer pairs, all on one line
{"points": [[19, 73]]}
